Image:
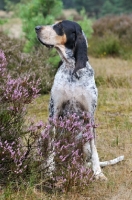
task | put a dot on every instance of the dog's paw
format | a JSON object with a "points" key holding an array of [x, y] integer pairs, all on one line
{"points": [[100, 177]]}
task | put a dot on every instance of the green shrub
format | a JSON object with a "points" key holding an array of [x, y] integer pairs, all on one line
{"points": [[86, 24], [3, 21], [37, 12], [108, 45], [54, 58], [112, 36]]}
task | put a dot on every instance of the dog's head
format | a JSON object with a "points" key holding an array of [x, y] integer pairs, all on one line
{"points": [[69, 40]]}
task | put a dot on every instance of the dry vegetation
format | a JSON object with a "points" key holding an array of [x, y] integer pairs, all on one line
{"points": [[114, 117]]}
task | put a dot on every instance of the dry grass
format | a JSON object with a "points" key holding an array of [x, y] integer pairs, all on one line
{"points": [[114, 138]]}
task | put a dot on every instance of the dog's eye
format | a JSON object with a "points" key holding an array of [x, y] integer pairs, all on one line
{"points": [[59, 25]]}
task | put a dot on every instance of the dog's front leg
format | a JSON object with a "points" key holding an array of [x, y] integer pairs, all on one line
{"points": [[95, 162], [50, 159], [54, 107]]}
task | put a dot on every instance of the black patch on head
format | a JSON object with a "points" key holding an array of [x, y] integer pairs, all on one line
{"points": [[70, 31], [75, 41], [68, 28], [58, 29]]}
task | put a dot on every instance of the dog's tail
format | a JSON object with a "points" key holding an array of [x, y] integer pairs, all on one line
{"points": [[111, 162]]}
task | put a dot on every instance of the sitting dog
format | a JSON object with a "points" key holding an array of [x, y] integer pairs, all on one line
{"points": [[74, 89]]}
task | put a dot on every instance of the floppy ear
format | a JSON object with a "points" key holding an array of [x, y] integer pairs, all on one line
{"points": [[80, 51]]}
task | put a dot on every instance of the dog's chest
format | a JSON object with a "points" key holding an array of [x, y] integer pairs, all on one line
{"points": [[80, 88]]}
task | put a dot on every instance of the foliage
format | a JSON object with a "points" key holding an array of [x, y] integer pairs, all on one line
{"points": [[69, 4], [36, 62], [15, 93], [10, 5], [53, 59], [3, 21], [128, 6], [92, 7], [100, 8], [108, 45], [112, 7], [86, 24], [112, 36], [40, 12], [2, 5], [61, 153]]}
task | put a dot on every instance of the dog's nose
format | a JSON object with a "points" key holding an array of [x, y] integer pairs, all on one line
{"points": [[37, 28]]}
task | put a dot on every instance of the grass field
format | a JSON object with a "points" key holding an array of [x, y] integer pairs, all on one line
{"points": [[114, 138]]}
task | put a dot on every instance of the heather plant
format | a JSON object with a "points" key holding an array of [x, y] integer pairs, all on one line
{"points": [[15, 94], [62, 151], [20, 63]]}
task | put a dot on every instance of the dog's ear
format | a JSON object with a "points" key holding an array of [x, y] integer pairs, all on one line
{"points": [[80, 50]]}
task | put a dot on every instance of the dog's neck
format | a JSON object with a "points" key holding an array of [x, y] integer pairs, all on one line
{"points": [[66, 54]]}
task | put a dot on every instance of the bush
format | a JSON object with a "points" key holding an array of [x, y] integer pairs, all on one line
{"points": [[86, 24], [112, 35], [40, 12], [61, 153], [108, 45], [119, 25], [3, 21], [35, 62], [15, 93]]}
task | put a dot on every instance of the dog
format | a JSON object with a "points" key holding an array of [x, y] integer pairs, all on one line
{"points": [[74, 89]]}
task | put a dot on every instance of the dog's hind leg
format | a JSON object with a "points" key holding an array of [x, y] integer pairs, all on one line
{"points": [[95, 162]]}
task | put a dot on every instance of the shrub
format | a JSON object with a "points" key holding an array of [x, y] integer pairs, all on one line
{"points": [[40, 12], [112, 34], [119, 25], [108, 45], [3, 21], [15, 93], [62, 152], [36, 62], [86, 24]]}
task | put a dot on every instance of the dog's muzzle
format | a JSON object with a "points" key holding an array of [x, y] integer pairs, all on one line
{"points": [[38, 29]]}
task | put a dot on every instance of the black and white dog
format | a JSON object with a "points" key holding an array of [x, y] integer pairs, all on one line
{"points": [[74, 89]]}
